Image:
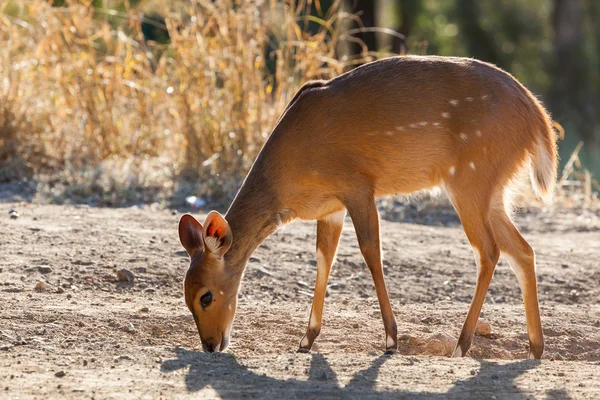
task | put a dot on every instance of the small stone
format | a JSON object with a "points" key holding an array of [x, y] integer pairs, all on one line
{"points": [[124, 357], [157, 331], [14, 214], [60, 374], [129, 328], [145, 309], [125, 275], [5, 347], [483, 328], [40, 286], [355, 325], [44, 269], [473, 372], [60, 290], [557, 357], [85, 363]]}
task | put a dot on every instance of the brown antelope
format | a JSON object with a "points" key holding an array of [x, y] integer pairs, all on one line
{"points": [[398, 125]]}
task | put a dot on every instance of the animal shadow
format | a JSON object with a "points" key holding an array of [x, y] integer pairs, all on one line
{"points": [[232, 380]]}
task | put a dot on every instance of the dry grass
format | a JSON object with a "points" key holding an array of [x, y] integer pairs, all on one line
{"points": [[90, 110], [88, 106]]}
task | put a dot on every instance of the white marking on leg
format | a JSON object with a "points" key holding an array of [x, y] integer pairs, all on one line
{"points": [[389, 342], [304, 342], [446, 115], [472, 165], [517, 269], [457, 352], [454, 102]]}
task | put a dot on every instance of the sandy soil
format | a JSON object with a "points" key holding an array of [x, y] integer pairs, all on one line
{"points": [[84, 334]]}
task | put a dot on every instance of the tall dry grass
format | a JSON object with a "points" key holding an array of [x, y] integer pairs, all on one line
{"points": [[89, 106]]}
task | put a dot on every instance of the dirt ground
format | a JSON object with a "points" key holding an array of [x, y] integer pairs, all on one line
{"points": [[84, 334]]}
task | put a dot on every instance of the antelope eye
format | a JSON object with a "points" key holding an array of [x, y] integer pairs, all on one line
{"points": [[206, 300]]}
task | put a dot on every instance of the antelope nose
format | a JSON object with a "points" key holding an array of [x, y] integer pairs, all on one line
{"points": [[208, 347]]}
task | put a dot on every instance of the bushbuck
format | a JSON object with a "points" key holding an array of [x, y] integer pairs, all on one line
{"points": [[393, 126]]}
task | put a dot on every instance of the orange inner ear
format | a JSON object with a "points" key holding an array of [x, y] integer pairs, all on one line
{"points": [[209, 230]]}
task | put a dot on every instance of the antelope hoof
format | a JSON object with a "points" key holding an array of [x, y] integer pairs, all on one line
{"points": [[391, 346], [305, 345], [535, 352], [457, 352]]}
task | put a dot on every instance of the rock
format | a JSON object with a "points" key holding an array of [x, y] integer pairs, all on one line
{"points": [[129, 328], [14, 214], [157, 331], [440, 344], [435, 347], [60, 374], [5, 347], [125, 275], [145, 309], [41, 286], [44, 269], [124, 357], [557, 357], [483, 328]]}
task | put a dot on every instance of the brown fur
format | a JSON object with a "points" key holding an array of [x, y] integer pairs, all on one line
{"points": [[399, 125]]}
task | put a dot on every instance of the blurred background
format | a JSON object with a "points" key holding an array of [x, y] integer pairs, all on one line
{"points": [[112, 102]]}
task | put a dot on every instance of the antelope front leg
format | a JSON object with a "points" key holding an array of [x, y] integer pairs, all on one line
{"points": [[328, 237], [365, 217]]}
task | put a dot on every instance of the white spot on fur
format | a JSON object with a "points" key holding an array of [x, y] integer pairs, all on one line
{"points": [[390, 133], [463, 136], [221, 292], [452, 170], [436, 124], [478, 133], [399, 128], [469, 99], [484, 97], [230, 306], [454, 102], [472, 165], [337, 218], [446, 115], [413, 125], [423, 123], [212, 244]]}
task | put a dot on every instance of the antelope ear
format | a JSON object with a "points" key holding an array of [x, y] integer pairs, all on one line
{"points": [[190, 235], [217, 234]]}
